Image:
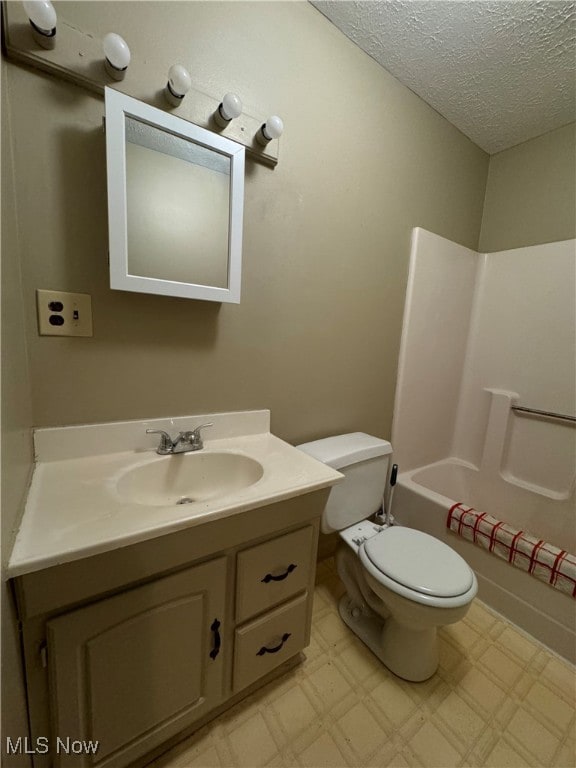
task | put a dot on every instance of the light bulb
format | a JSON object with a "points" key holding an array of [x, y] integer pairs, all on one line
{"points": [[231, 107], [117, 55], [273, 128], [178, 85], [42, 17], [42, 14]]}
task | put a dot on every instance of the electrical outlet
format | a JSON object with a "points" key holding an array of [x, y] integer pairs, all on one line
{"points": [[64, 314]]}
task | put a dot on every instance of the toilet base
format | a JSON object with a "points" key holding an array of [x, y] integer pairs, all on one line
{"points": [[411, 654]]}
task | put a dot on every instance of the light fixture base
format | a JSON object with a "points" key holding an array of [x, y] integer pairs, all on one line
{"points": [[173, 98], [219, 119], [261, 137], [114, 72], [44, 38]]}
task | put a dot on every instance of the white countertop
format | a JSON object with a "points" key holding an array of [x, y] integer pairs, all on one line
{"points": [[74, 511]]}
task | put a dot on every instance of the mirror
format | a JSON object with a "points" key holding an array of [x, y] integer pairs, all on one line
{"points": [[175, 204]]}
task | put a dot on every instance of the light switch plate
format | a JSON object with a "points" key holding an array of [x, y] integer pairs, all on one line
{"points": [[64, 314]]}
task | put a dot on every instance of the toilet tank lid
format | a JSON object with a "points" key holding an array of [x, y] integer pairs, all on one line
{"points": [[343, 450]]}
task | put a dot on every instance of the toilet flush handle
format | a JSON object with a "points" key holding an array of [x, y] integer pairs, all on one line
{"points": [[393, 476]]}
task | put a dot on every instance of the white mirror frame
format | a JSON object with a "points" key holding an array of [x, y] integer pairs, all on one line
{"points": [[118, 107]]}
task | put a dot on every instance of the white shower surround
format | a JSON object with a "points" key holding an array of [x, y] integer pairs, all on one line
{"points": [[481, 332]]}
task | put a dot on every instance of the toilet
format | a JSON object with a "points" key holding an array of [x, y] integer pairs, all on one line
{"points": [[401, 584]]}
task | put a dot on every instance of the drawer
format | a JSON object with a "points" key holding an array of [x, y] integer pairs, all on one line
{"points": [[269, 641], [272, 572]]}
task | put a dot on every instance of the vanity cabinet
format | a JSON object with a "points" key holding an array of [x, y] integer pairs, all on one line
{"points": [[137, 647]]}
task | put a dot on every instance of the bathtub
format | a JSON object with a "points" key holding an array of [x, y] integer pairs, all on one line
{"points": [[422, 499]]}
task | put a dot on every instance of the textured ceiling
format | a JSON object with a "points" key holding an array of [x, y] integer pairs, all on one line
{"points": [[501, 71]]}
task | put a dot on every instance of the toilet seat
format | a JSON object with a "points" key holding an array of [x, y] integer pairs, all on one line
{"points": [[419, 567]]}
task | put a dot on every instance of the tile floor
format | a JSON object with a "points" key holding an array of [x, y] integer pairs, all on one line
{"points": [[498, 699]]}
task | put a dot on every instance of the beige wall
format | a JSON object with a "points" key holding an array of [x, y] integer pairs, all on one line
{"points": [[531, 193], [326, 237], [15, 424]]}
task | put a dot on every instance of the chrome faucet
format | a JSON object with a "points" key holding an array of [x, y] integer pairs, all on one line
{"points": [[185, 442]]}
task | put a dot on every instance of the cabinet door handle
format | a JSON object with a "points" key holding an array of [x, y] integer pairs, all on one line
{"points": [[264, 650], [268, 578], [217, 641]]}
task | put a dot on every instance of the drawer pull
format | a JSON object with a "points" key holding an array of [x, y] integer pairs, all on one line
{"points": [[264, 650], [268, 578], [217, 641]]}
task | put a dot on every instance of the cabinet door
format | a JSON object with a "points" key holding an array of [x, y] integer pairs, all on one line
{"points": [[135, 669]]}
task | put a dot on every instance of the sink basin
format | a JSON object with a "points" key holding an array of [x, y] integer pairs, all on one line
{"points": [[188, 477]]}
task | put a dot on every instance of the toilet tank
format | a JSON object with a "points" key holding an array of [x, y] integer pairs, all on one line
{"points": [[363, 460]]}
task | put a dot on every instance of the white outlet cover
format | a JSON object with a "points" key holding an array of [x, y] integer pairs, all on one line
{"points": [[74, 318]]}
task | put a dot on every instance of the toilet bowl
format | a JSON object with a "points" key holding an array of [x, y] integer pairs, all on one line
{"points": [[407, 584], [401, 584]]}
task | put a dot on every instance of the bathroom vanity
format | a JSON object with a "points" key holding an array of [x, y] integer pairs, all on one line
{"points": [[141, 634]]}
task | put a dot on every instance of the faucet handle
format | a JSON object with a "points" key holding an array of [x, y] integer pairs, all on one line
{"points": [[196, 430], [194, 436], [166, 444]]}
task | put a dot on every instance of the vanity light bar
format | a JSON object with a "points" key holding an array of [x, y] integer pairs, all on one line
{"points": [[77, 57]]}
